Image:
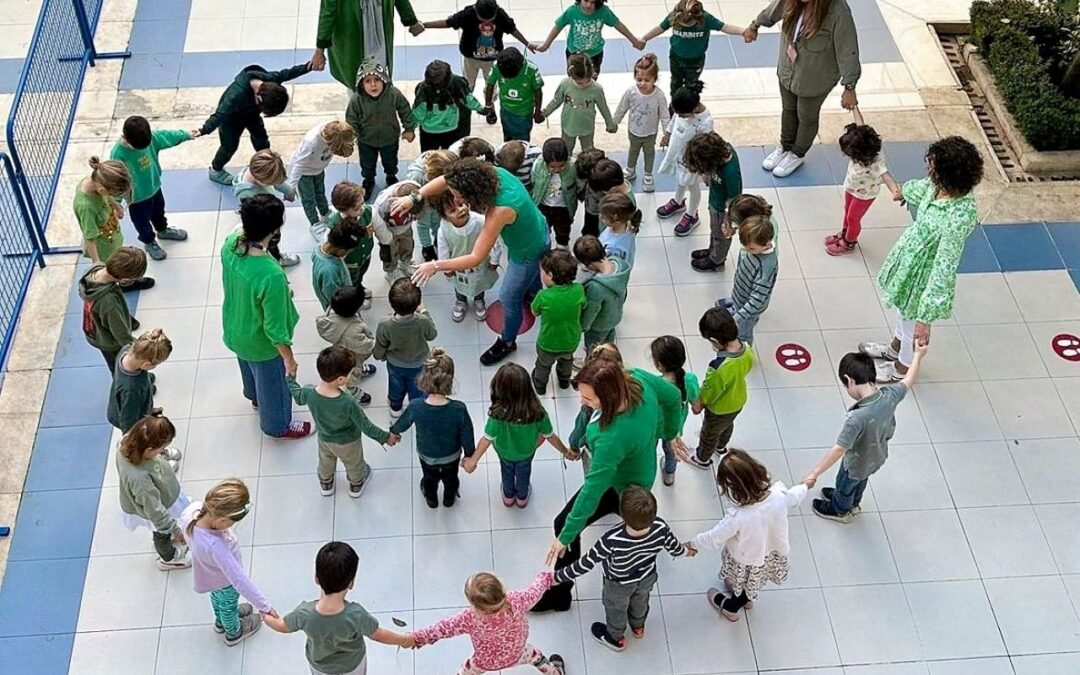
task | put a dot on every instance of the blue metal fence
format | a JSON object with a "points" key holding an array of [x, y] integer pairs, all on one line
{"points": [[19, 251]]}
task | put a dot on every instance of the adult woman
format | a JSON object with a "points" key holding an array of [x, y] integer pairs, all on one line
{"points": [[818, 48], [355, 30], [509, 214], [258, 316], [633, 410]]}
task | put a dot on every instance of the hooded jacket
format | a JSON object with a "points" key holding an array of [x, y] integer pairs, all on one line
{"points": [[375, 119], [541, 179], [237, 102], [350, 332], [605, 295], [106, 319]]}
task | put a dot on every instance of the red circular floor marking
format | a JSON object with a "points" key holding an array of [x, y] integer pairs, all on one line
{"points": [[792, 356], [494, 318], [1067, 346]]}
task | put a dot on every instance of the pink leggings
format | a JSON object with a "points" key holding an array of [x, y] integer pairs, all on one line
{"points": [[854, 210]]}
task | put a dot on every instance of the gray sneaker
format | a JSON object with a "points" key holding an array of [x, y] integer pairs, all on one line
{"points": [[289, 260], [154, 250], [172, 234], [318, 231], [248, 625], [181, 560], [243, 609], [458, 312], [221, 177], [479, 309]]}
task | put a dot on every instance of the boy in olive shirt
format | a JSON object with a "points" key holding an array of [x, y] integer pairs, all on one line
{"points": [[339, 421], [558, 307], [335, 627], [402, 341], [521, 91]]}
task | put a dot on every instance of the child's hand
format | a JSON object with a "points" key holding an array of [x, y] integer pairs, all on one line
{"points": [[612, 128], [540, 49], [291, 367], [690, 550], [898, 196], [638, 45], [726, 228], [291, 197], [408, 641], [810, 481], [539, 117], [273, 613], [922, 347], [573, 454], [416, 29], [696, 408], [469, 464], [195, 133], [664, 140], [393, 439], [408, 135]]}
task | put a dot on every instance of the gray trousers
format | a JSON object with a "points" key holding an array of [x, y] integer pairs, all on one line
{"points": [[594, 338], [719, 245], [563, 362], [646, 144], [799, 120], [624, 602], [586, 142]]}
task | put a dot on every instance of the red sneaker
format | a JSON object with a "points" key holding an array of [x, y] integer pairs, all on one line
{"points": [[638, 632], [297, 430]]}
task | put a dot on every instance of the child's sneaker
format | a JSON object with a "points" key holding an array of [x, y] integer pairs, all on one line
{"points": [[432, 501], [827, 494], [391, 180], [174, 464], [448, 498], [357, 489], [886, 372], [318, 231], [154, 250], [840, 247], [181, 560], [522, 503], [694, 460], [629, 172], [221, 176], [716, 601], [700, 253], [171, 453], [638, 632], [395, 413], [297, 429], [686, 225], [479, 308], [879, 350], [772, 159], [668, 478], [363, 398], [647, 184], [564, 384], [705, 264], [289, 260], [369, 190], [367, 370], [248, 626], [558, 663], [833, 238], [671, 208], [326, 487], [243, 610], [600, 634], [825, 510], [428, 253], [509, 502], [172, 234], [458, 312]]}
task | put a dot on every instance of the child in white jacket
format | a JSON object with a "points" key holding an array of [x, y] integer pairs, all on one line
{"points": [[458, 232], [395, 234], [752, 537]]}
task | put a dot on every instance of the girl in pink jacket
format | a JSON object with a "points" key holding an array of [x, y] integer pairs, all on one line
{"points": [[498, 624]]}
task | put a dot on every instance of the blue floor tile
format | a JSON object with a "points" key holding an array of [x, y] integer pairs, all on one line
{"points": [[159, 11], [10, 70], [1075, 276], [838, 161], [867, 16], [37, 654], [906, 160], [203, 69], [158, 37], [978, 257], [816, 170], [55, 524], [877, 46], [41, 597], [191, 190], [750, 158], [762, 53], [1066, 236], [151, 71], [69, 458], [720, 54], [1023, 247], [72, 350], [419, 57], [76, 397]]}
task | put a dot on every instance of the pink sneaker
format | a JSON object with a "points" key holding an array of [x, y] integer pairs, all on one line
{"points": [[840, 246]]}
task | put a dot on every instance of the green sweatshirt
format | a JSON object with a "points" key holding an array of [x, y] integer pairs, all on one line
{"points": [[436, 118], [143, 166], [559, 310], [724, 388], [357, 259], [829, 55], [131, 396], [375, 120], [579, 106], [106, 318], [338, 419], [148, 490], [258, 311], [237, 102], [606, 294], [541, 179], [726, 185], [328, 274]]}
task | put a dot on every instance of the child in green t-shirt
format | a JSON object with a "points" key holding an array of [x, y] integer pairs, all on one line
{"points": [[691, 27], [669, 356], [520, 94], [97, 210], [347, 198], [558, 308], [587, 19], [517, 425]]}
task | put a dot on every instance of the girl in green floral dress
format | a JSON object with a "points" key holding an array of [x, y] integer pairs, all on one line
{"points": [[918, 277]]}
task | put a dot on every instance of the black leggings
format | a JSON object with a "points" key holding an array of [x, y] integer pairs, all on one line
{"points": [[609, 503]]}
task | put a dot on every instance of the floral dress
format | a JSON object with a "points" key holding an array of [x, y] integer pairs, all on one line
{"points": [[918, 277]]}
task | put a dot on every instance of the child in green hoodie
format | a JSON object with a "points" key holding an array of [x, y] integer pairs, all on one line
{"points": [[554, 188], [373, 113], [558, 306], [580, 97], [605, 291], [107, 321]]}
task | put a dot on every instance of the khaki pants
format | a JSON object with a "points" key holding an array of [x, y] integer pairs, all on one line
{"points": [[473, 67], [716, 431], [351, 455], [563, 362]]}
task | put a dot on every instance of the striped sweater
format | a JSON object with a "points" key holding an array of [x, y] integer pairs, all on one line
{"points": [[524, 172], [755, 276], [626, 559]]}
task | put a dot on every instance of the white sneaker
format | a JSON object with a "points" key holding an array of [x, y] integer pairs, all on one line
{"points": [[629, 172], [289, 260], [174, 464], [879, 350], [394, 414], [787, 165], [647, 184], [181, 561], [171, 453], [458, 312], [772, 159], [886, 372], [479, 308], [318, 231]]}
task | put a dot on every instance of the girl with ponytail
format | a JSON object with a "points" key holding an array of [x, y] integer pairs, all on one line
{"points": [[669, 355], [98, 210], [648, 110]]}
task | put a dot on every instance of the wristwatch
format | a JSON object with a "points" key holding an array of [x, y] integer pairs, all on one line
{"points": [[849, 87]]}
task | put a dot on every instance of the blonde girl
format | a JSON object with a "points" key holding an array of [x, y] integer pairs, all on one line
{"points": [[307, 168], [150, 494], [97, 209], [265, 175], [648, 109], [622, 220], [215, 556], [131, 396], [691, 27], [444, 430]]}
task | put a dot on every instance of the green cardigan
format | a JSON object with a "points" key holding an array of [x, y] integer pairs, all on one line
{"points": [[341, 34]]}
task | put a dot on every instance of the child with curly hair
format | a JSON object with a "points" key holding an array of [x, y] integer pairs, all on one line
{"points": [[715, 160]]}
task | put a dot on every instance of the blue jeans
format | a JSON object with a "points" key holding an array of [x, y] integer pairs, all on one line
{"points": [[515, 127], [521, 279], [402, 381], [670, 461], [848, 492], [264, 385], [515, 478]]}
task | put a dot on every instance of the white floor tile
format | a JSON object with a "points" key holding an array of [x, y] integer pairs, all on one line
{"points": [[186, 649], [788, 631], [1034, 615], [993, 346], [929, 545], [445, 562], [936, 608], [997, 666], [1029, 409], [1047, 467], [291, 510], [957, 412], [872, 624], [700, 639], [1027, 552], [857, 553], [911, 479], [647, 655], [101, 653], [1059, 525], [981, 474], [122, 592]]}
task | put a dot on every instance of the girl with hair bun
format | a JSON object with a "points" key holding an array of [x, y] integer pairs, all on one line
{"points": [[97, 209], [131, 396], [691, 27]]}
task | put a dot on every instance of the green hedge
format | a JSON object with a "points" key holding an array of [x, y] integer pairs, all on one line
{"points": [[1027, 46]]}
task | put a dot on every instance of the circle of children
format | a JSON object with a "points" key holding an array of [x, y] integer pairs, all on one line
{"points": [[451, 193]]}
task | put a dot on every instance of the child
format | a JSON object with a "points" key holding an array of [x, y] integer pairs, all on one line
{"points": [[863, 444], [328, 269], [265, 175], [254, 94], [131, 396], [518, 157], [138, 150], [691, 26], [97, 210], [753, 536], [215, 556], [580, 97], [473, 146], [107, 322], [458, 232], [342, 326], [424, 169], [482, 27], [587, 19], [443, 429], [622, 220], [558, 307], [715, 160], [605, 291], [690, 119], [374, 111], [627, 553], [918, 276], [583, 167], [150, 494], [723, 393], [755, 274], [648, 109], [336, 627], [395, 234], [517, 425], [348, 201], [307, 169], [521, 92], [669, 356], [402, 341], [606, 178], [866, 171], [339, 421], [442, 105], [555, 189], [498, 623]]}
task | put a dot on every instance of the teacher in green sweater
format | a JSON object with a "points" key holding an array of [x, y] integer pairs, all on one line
{"points": [[351, 31], [258, 316], [632, 411]]}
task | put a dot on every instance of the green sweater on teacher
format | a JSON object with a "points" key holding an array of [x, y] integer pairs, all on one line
{"points": [[257, 313]]}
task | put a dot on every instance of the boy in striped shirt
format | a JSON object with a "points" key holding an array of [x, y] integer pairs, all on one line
{"points": [[627, 553], [755, 275]]}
